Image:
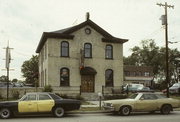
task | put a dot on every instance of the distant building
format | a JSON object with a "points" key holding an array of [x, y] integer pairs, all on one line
{"points": [[80, 59], [138, 74]]}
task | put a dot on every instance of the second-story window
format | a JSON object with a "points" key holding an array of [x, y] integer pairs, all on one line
{"points": [[109, 52], [87, 50], [64, 49]]}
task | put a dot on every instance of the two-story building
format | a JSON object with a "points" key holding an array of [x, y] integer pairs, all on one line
{"points": [[80, 59], [138, 75]]}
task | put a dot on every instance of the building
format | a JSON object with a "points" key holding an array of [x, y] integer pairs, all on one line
{"points": [[80, 59], [138, 74]]}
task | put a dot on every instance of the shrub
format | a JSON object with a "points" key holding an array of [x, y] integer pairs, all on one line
{"points": [[79, 97], [15, 94], [47, 88]]}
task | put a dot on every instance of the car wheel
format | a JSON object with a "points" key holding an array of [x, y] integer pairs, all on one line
{"points": [[166, 109], [59, 112], [5, 113], [125, 110]]}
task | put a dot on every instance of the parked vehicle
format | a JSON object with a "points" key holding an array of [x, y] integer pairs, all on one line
{"points": [[40, 102], [4, 84], [142, 102], [132, 87], [175, 88], [18, 84], [145, 89]]}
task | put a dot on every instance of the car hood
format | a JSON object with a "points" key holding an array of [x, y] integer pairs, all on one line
{"points": [[119, 101]]}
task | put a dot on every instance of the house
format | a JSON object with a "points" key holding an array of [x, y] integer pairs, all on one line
{"points": [[138, 74], [80, 59]]}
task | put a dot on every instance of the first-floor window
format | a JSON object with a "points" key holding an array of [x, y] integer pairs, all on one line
{"points": [[64, 77], [109, 78]]}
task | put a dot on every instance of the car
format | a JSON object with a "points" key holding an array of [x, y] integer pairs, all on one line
{"points": [[145, 89], [132, 87], [18, 84], [38, 102], [175, 88], [142, 102]]}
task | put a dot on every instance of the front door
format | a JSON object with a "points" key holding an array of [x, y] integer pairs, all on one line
{"points": [[87, 83]]}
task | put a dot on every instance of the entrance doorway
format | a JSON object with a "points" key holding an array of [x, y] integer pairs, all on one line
{"points": [[87, 79], [87, 83]]}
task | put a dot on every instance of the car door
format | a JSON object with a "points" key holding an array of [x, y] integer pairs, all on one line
{"points": [[147, 102], [45, 103], [28, 104]]}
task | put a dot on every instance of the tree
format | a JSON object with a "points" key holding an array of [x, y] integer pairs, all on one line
{"points": [[30, 70], [14, 80], [3, 78]]}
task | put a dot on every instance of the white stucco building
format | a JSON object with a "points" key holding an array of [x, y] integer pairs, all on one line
{"points": [[80, 59]]}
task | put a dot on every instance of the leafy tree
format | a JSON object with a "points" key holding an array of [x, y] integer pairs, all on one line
{"points": [[30, 70], [14, 80], [3, 78]]}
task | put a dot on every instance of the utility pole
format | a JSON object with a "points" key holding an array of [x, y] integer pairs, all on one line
{"points": [[8, 60], [165, 22]]}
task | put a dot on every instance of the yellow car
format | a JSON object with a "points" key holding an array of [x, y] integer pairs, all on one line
{"points": [[40, 102], [142, 102]]}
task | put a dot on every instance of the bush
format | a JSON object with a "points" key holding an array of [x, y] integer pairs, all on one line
{"points": [[115, 96], [15, 94], [79, 97], [47, 88]]}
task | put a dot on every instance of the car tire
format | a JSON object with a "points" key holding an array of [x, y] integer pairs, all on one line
{"points": [[5, 113], [166, 109], [59, 112], [125, 110]]}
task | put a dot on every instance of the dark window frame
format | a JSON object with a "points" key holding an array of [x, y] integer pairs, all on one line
{"points": [[64, 54], [64, 83], [88, 49], [111, 83], [107, 52]]}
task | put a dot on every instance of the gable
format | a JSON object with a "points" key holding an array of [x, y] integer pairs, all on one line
{"points": [[66, 34]]}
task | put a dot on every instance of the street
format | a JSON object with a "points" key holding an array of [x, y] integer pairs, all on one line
{"points": [[101, 117]]}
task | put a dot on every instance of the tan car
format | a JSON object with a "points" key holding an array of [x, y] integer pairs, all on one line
{"points": [[142, 102]]}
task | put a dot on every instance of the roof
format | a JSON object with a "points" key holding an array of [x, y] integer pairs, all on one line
{"points": [[66, 34], [88, 71]]}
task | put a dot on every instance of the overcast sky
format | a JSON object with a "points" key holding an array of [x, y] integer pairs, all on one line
{"points": [[22, 22]]}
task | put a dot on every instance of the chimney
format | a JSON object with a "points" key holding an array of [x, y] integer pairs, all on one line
{"points": [[87, 16]]}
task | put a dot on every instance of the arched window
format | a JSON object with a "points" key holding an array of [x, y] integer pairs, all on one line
{"points": [[109, 52], [64, 49], [109, 78], [64, 77], [87, 50]]}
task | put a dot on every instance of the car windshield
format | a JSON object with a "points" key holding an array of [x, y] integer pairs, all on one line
{"points": [[133, 96], [176, 85], [161, 96]]}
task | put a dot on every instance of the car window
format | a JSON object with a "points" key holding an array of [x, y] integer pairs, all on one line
{"points": [[133, 96], [161, 96], [44, 97], [148, 97], [29, 97]]}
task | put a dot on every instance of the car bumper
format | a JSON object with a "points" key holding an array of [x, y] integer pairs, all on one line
{"points": [[108, 108]]}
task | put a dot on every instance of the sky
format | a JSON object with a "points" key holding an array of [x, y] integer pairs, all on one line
{"points": [[22, 23]]}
